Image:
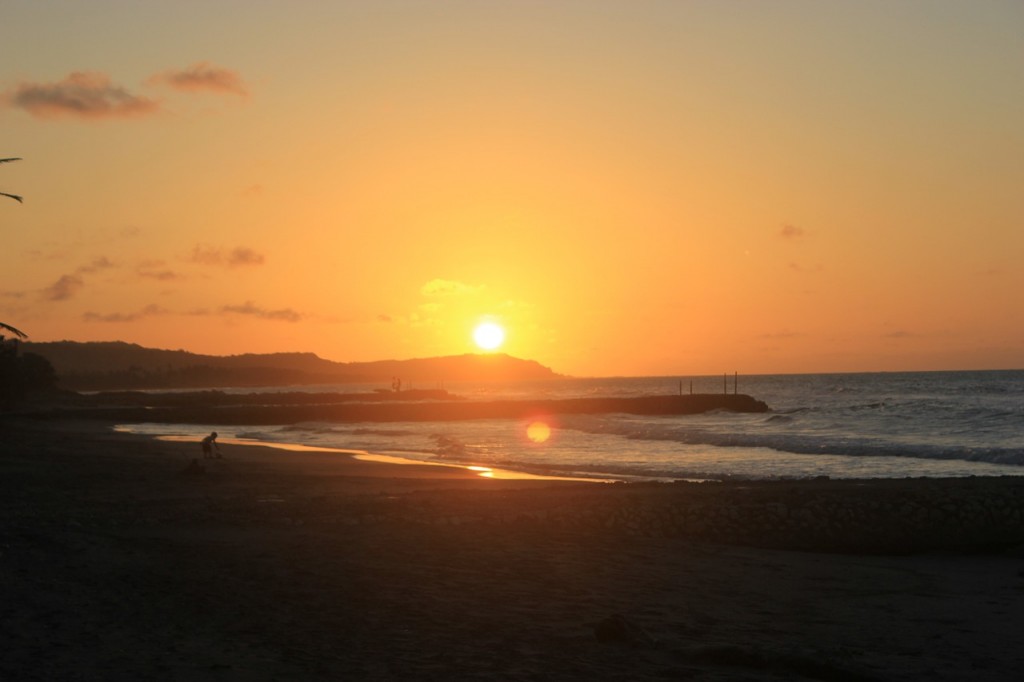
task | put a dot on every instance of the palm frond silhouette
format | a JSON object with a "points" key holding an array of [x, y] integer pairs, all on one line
{"points": [[12, 196], [17, 332]]}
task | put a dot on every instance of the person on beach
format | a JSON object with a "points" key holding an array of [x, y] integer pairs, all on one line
{"points": [[209, 445]]}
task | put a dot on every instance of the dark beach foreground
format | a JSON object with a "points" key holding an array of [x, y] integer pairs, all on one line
{"points": [[115, 563]]}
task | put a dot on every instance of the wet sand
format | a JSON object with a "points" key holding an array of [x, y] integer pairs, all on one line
{"points": [[271, 565]]}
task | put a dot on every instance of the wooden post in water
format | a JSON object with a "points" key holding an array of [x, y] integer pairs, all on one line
{"points": [[725, 383], [736, 383]]}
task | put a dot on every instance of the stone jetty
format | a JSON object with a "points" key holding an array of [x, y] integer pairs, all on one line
{"points": [[427, 410]]}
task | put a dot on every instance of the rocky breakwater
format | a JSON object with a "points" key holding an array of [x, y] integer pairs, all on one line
{"points": [[415, 410]]}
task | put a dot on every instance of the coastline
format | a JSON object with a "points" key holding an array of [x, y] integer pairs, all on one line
{"points": [[366, 456], [287, 565], [833, 425]]}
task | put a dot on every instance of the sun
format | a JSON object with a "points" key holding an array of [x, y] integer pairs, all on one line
{"points": [[489, 335]]}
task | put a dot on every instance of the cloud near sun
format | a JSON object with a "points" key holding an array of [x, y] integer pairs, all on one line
{"points": [[447, 287], [91, 95], [236, 257]]}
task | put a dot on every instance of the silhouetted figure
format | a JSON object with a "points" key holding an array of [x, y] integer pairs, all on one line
{"points": [[209, 445]]}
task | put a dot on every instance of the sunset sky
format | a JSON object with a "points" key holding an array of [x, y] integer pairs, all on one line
{"points": [[627, 188]]}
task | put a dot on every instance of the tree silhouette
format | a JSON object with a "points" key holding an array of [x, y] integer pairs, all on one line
{"points": [[23, 377]]}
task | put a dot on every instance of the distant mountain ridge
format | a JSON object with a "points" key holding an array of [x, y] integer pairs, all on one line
{"points": [[111, 365]]}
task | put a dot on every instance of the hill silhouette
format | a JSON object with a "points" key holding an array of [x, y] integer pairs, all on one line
{"points": [[116, 365]]}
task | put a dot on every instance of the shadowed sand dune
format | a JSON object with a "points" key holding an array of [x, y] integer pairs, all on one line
{"points": [[271, 565]]}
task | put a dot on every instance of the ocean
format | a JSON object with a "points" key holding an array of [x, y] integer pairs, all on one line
{"points": [[870, 425]]}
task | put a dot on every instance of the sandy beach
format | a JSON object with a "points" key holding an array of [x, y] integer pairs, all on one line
{"points": [[269, 565]]}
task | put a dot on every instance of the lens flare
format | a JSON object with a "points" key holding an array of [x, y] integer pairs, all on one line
{"points": [[538, 432]]}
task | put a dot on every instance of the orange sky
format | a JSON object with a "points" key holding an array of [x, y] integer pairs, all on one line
{"points": [[628, 187]]}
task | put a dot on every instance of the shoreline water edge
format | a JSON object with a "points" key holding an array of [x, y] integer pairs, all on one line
{"points": [[937, 425]]}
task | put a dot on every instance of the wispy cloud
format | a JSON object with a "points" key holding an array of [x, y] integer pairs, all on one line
{"points": [[250, 308], [784, 334], [64, 288], [236, 257], [791, 232], [158, 270], [159, 275], [149, 311], [100, 263], [244, 256], [202, 76], [67, 286], [447, 287], [85, 95]]}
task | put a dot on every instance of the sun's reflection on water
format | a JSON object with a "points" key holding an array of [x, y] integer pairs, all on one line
{"points": [[482, 471]]}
